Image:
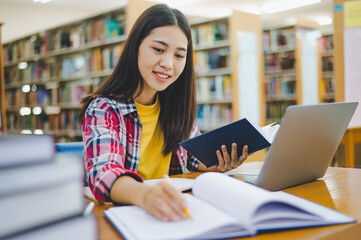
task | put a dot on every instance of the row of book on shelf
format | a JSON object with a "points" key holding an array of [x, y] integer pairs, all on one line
{"points": [[207, 34], [72, 36], [213, 116], [78, 65], [214, 88], [279, 39], [62, 121], [38, 95], [205, 61], [41, 194], [275, 110], [279, 62], [280, 86]]}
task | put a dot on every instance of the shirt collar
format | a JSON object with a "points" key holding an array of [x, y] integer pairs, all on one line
{"points": [[127, 107]]}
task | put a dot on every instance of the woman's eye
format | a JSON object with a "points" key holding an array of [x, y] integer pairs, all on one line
{"points": [[158, 49], [179, 56]]}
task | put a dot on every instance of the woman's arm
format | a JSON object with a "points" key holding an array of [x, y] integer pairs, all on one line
{"points": [[104, 137]]}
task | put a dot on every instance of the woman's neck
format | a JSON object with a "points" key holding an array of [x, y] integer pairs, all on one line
{"points": [[146, 99]]}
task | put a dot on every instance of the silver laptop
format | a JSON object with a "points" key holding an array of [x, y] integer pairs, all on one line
{"points": [[305, 144]]}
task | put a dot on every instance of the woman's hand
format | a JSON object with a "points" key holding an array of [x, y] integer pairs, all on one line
{"points": [[226, 162], [163, 201]]}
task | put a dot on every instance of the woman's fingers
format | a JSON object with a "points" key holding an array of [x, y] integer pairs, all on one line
{"points": [[164, 202], [244, 155], [227, 162], [234, 154], [176, 201], [227, 158], [220, 167]]}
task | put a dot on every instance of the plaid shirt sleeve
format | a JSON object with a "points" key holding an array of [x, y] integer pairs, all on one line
{"points": [[105, 141], [193, 162], [182, 160]]}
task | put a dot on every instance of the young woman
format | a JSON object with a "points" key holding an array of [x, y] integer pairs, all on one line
{"points": [[133, 123]]}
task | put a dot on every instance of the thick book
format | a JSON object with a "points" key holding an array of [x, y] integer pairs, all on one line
{"points": [[20, 150], [79, 227], [225, 207], [34, 195], [243, 132]]}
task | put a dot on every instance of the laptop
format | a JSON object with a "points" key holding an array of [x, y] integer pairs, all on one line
{"points": [[304, 145]]}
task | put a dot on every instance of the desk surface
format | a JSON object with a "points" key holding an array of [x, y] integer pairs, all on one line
{"points": [[339, 189]]}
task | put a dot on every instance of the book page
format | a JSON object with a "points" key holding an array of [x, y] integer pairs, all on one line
{"points": [[238, 198], [206, 221], [270, 131], [182, 184], [262, 209]]}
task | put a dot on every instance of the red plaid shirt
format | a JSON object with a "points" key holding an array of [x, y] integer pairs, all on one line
{"points": [[111, 135]]}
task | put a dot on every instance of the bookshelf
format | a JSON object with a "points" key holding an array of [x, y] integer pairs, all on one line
{"points": [[3, 119], [218, 50], [347, 32], [47, 73], [327, 79], [290, 60]]}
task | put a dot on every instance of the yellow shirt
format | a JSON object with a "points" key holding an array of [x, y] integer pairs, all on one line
{"points": [[152, 163]]}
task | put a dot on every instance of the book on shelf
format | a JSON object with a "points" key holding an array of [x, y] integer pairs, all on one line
{"points": [[35, 195], [225, 207], [243, 132], [20, 150]]}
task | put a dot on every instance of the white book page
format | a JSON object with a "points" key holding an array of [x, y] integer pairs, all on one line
{"points": [[238, 198], [268, 132], [326, 213], [260, 208], [134, 223], [181, 184]]}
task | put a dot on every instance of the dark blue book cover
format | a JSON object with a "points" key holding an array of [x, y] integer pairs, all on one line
{"points": [[242, 132]]}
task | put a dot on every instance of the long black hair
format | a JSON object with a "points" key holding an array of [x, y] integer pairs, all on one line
{"points": [[178, 101]]}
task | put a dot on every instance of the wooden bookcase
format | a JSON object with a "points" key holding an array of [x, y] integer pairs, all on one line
{"points": [[327, 78], [289, 55], [217, 52], [348, 73], [3, 119], [47, 73]]}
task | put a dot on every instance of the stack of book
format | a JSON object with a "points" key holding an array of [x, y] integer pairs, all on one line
{"points": [[40, 192]]}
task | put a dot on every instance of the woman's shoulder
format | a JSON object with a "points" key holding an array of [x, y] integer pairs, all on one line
{"points": [[106, 103]]}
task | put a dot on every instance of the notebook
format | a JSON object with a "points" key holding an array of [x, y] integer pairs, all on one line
{"points": [[304, 145]]}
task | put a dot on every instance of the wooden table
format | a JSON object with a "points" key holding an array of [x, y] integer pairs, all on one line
{"points": [[339, 189]]}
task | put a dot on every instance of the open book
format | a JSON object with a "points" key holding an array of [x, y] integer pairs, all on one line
{"points": [[243, 132], [224, 207]]}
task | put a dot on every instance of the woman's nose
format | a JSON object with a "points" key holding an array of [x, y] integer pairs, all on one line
{"points": [[166, 61]]}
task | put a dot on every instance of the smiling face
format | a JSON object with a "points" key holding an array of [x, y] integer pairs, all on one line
{"points": [[161, 60]]}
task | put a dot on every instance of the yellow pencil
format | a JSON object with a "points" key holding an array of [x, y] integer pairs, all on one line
{"points": [[185, 210]]}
